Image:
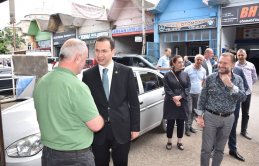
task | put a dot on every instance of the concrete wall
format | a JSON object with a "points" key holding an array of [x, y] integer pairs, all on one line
{"points": [[27, 65], [131, 16], [91, 26], [241, 2]]}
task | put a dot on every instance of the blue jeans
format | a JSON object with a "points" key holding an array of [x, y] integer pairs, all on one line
{"points": [[232, 140], [51, 157]]}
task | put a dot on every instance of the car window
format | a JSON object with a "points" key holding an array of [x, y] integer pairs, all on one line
{"points": [[138, 62], [123, 60], [151, 59], [136, 81], [150, 81]]}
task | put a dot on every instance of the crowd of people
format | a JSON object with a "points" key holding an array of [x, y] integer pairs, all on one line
{"points": [[214, 88], [90, 121]]}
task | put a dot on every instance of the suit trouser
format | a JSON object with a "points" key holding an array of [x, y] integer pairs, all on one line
{"points": [[119, 152], [232, 140], [192, 105], [245, 113], [215, 133]]}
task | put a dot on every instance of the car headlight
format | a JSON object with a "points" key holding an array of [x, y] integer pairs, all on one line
{"points": [[25, 147]]}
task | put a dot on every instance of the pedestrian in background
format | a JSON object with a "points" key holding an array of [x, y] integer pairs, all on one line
{"points": [[163, 63], [251, 77], [197, 75], [114, 91], [66, 112], [232, 140], [177, 85], [216, 105], [207, 63], [186, 61]]}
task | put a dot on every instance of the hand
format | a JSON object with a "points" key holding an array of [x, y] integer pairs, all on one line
{"points": [[226, 80], [134, 135], [178, 103], [200, 121], [177, 98]]}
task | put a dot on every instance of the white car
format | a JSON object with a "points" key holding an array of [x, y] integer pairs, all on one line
{"points": [[21, 131]]}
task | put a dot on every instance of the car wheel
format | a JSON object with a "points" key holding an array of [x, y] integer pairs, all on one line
{"points": [[163, 126]]}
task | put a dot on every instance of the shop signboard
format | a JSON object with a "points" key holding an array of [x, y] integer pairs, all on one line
{"points": [[93, 35], [239, 15], [188, 25], [60, 38], [131, 29]]}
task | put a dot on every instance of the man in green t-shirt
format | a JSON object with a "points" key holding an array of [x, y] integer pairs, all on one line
{"points": [[66, 112]]}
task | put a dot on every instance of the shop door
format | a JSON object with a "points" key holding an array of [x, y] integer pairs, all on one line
{"points": [[153, 49]]}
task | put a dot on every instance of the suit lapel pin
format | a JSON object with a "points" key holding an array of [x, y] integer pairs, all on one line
{"points": [[116, 72]]}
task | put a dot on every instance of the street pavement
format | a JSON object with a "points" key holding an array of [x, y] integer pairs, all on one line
{"points": [[149, 149]]}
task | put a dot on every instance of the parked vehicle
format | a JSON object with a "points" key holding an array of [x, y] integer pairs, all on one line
{"points": [[136, 60], [6, 83], [21, 131], [90, 62], [51, 62]]}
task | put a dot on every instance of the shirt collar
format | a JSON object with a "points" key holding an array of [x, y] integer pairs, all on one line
{"points": [[64, 70], [109, 67]]}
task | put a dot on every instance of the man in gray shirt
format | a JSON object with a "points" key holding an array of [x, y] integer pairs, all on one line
{"points": [[216, 105]]}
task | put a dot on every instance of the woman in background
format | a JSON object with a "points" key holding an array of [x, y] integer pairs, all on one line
{"points": [[177, 86]]}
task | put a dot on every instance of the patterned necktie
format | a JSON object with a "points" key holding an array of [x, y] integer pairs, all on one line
{"points": [[105, 81]]}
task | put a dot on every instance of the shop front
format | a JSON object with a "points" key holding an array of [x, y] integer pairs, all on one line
{"points": [[129, 39], [189, 37], [90, 38], [60, 38], [240, 29]]}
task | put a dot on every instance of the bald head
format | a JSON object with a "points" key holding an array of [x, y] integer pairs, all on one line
{"points": [[73, 55], [208, 53], [72, 47]]}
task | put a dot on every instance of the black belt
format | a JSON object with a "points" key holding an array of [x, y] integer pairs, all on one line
{"points": [[220, 114], [70, 151]]}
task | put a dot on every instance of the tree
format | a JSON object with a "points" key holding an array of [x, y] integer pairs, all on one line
{"points": [[6, 39], [3, 43]]}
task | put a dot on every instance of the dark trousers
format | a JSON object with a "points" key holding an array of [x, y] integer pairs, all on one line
{"points": [[51, 157], [170, 128], [119, 152], [245, 113], [232, 140], [192, 106]]}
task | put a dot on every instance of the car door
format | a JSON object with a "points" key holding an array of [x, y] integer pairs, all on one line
{"points": [[151, 98]]}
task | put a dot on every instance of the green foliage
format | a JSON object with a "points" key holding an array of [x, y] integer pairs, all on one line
{"points": [[6, 39]]}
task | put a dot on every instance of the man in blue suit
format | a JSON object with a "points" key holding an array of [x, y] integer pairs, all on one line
{"points": [[232, 141]]}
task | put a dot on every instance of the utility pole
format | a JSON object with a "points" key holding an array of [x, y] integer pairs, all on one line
{"points": [[12, 21], [143, 28]]}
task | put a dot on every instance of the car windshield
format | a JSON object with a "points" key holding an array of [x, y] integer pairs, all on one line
{"points": [[151, 59]]}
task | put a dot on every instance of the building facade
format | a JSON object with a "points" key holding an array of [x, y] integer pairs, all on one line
{"points": [[187, 27]]}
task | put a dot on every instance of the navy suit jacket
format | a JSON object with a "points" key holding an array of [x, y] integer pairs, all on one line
{"points": [[122, 108], [239, 71]]}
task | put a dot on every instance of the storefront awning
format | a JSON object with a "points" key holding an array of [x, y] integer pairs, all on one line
{"points": [[76, 16]]}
